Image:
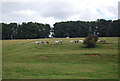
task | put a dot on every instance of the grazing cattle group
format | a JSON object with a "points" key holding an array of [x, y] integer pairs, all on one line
{"points": [[71, 41], [76, 41], [59, 42], [42, 42]]}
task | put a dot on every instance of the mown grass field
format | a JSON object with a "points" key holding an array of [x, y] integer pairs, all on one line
{"points": [[22, 59]]}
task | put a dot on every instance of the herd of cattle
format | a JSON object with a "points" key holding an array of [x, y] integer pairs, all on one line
{"points": [[71, 41]]}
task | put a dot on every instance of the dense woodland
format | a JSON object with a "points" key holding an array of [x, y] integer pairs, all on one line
{"points": [[28, 30], [32, 30]]}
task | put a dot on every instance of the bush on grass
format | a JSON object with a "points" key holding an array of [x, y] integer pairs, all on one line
{"points": [[90, 41]]}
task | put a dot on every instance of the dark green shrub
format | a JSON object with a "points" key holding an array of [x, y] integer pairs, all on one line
{"points": [[90, 41], [95, 38]]}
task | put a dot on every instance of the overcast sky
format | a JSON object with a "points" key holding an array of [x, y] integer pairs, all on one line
{"points": [[51, 11]]}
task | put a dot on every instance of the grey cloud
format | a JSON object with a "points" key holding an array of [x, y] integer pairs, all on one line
{"points": [[58, 10], [11, 6], [54, 10]]}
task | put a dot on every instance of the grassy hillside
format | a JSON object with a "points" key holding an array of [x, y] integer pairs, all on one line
{"points": [[22, 59]]}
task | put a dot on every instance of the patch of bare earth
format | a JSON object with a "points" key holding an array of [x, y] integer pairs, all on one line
{"points": [[42, 57], [55, 44], [92, 54]]}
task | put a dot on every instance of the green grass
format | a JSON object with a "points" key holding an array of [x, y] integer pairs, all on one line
{"points": [[22, 59]]}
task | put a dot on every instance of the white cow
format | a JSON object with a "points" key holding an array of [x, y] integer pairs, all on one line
{"points": [[80, 41], [36, 42], [102, 41], [72, 41], [39, 42], [58, 41]]}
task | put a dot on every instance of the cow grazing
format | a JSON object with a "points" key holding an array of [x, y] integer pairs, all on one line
{"points": [[102, 41], [58, 41], [80, 41], [46, 42], [76, 41], [36, 42], [40, 42], [72, 41]]}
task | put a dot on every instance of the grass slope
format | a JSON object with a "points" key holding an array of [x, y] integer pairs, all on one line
{"points": [[22, 59]]}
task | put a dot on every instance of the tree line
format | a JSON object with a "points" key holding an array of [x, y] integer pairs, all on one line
{"points": [[101, 28], [33, 30], [28, 30]]}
